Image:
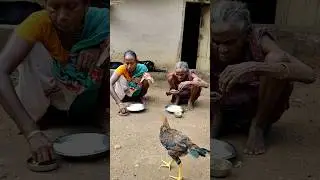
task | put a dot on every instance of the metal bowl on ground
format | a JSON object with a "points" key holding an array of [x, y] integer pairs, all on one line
{"points": [[173, 108], [42, 167], [223, 150], [136, 107], [221, 168]]}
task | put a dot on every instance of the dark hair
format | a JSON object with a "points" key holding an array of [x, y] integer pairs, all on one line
{"points": [[131, 53]]}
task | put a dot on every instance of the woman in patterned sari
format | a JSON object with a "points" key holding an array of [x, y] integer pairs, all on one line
{"points": [[61, 53], [130, 82]]}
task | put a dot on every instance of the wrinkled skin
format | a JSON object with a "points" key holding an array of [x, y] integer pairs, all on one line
{"points": [[181, 75], [273, 75], [179, 80]]}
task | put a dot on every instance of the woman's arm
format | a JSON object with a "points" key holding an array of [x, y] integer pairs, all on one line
{"points": [[114, 78], [289, 68], [12, 55], [198, 81]]}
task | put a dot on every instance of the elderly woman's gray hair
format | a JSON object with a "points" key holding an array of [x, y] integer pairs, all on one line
{"points": [[227, 11], [130, 53], [182, 65]]}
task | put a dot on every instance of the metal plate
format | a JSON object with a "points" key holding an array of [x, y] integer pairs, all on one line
{"points": [[136, 107], [223, 150], [36, 167], [173, 108], [81, 145]]}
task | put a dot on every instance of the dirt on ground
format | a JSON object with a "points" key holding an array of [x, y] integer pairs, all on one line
{"points": [[293, 145], [137, 135]]}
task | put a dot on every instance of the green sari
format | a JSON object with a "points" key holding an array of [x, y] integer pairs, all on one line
{"points": [[86, 85]]}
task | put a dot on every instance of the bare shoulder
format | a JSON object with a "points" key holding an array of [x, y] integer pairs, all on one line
{"points": [[269, 45], [194, 75], [170, 74], [273, 52]]}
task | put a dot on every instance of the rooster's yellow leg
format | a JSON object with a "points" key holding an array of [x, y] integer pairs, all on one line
{"points": [[179, 173], [166, 164]]}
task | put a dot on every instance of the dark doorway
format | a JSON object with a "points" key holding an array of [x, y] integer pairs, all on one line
{"points": [[189, 50], [262, 11]]}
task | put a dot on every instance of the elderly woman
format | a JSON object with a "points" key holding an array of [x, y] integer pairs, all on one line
{"points": [[130, 82], [252, 77], [185, 85], [62, 52]]}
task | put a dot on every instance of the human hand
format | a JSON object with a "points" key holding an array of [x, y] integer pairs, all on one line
{"points": [[215, 97], [41, 147], [88, 59], [136, 80], [123, 108], [172, 91], [239, 73]]}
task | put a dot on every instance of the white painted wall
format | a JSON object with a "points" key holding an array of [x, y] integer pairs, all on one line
{"points": [[152, 28]]}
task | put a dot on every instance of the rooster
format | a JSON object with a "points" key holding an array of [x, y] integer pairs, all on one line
{"points": [[178, 145]]}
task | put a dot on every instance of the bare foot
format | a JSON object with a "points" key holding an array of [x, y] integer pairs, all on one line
{"points": [[255, 143], [190, 106]]}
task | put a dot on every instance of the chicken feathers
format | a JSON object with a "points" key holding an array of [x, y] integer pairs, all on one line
{"points": [[178, 144]]}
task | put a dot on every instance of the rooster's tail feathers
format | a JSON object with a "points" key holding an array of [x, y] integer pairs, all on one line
{"points": [[196, 152]]}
